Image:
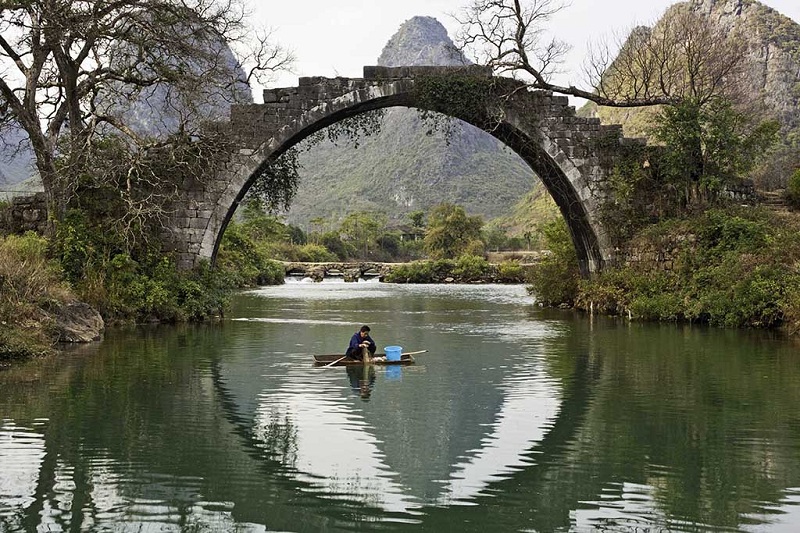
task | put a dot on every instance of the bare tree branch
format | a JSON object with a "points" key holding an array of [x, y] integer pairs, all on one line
{"points": [[685, 55]]}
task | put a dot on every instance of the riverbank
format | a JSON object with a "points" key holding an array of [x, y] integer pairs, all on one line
{"points": [[737, 267]]}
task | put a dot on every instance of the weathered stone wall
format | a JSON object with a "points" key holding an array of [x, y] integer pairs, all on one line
{"points": [[25, 213], [661, 255]]}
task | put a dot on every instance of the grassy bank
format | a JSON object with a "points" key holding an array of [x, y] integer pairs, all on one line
{"points": [[732, 267], [30, 284]]}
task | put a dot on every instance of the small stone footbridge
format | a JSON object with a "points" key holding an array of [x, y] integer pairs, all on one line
{"points": [[352, 271], [573, 156]]}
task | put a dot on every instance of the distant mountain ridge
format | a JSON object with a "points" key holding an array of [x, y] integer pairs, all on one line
{"points": [[401, 169]]}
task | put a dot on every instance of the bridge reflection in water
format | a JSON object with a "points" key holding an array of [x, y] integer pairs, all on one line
{"points": [[346, 451]]}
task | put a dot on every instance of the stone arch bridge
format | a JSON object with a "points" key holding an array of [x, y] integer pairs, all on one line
{"points": [[571, 155]]}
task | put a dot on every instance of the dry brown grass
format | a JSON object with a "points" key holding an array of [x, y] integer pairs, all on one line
{"points": [[29, 285]]}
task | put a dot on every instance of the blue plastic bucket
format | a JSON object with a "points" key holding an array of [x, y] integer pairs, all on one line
{"points": [[393, 353]]}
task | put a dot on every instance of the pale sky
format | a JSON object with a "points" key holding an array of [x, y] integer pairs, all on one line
{"points": [[338, 37]]}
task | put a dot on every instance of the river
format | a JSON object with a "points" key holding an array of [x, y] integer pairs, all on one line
{"points": [[515, 419]]}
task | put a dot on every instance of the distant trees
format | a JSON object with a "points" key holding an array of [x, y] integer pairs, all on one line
{"points": [[363, 230], [451, 232]]}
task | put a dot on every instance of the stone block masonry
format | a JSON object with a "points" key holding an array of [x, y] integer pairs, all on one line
{"points": [[25, 213], [572, 155]]}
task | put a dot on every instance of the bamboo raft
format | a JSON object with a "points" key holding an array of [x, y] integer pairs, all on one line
{"points": [[338, 359]]}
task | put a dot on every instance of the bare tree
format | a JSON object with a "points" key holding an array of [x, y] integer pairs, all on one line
{"points": [[685, 55], [62, 62]]}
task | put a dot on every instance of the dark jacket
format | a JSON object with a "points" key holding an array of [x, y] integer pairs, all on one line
{"points": [[355, 340]]}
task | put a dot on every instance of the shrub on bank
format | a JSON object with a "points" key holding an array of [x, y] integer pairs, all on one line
{"points": [[510, 272], [793, 190], [129, 282], [740, 269], [554, 280], [471, 268], [414, 272], [465, 269], [246, 262]]}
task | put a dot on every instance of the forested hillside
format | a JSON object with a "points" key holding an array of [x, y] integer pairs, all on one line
{"points": [[403, 168]]}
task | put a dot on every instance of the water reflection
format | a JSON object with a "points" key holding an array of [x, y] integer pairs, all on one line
{"points": [[362, 379], [516, 419]]}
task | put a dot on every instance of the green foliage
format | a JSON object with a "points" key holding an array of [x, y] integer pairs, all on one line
{"points": [[127, 283], [510, 272], [155, 290], [554, 281], [417, 218], [333, 242], [245, 257], [732, 268], [415, 272], [450, 231], [463, 97], [471, 268], [352, 129], [708, 145], [793, 190], [362, 230], [276, 183], [726, 231]]}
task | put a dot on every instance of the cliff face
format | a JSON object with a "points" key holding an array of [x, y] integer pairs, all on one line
{"points": [[160, 109], [16, 157], [403, 169], [421, 41], [773, 61]]}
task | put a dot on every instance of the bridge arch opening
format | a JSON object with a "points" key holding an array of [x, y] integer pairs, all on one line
{"points": [[541, 153]]}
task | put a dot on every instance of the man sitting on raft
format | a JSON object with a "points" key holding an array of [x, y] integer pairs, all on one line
{"points": [[362, 347]]}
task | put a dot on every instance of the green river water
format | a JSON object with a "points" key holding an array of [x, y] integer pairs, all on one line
{"points": [[516, 419]]}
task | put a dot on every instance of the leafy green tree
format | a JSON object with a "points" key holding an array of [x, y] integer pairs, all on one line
{"points": [[317, 225], [554, 280], [363, 229], [297, 235], [417, 218], [261, 226], [333, 242], [495, 238], [709, 145], [450, 231]]}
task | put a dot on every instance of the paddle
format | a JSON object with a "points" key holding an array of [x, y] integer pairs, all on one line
{"points": [[334, 362], [344, 356]]}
